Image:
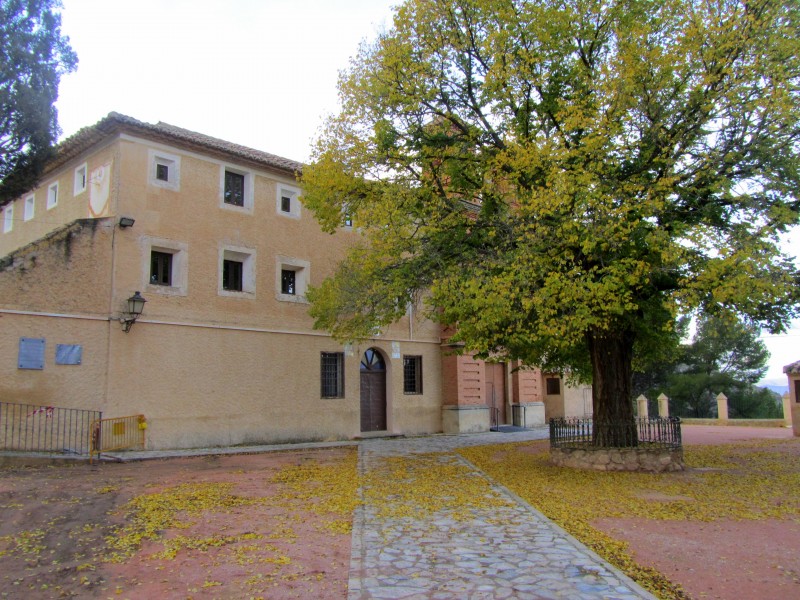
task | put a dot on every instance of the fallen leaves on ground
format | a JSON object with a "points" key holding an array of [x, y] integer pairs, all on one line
{"points": [[423, 484], [736, 481], [233, 532]]}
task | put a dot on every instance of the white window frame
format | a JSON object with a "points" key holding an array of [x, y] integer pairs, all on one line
{"points": [[180, 266], [293, 194], [81, 179], [247, 256], [249, 184], [302, 269], [29, 210], [8, 218], [173, 164], [52, 195]]}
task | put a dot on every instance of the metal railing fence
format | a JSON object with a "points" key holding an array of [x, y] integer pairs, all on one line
{"points": [[654, 432], [34, 428]]}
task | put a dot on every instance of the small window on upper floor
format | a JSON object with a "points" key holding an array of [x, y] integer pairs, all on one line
{"points": [[160, 268], [164, 170], [8, 218], [237, 272], [232, 275], [288, 281], [165, 265], [234, 188], [288, 203], [80, 179], [293, 276], [52, 195], [30, 208]]}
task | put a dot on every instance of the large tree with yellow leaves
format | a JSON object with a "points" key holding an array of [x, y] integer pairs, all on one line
{"points": [[562, 179]]}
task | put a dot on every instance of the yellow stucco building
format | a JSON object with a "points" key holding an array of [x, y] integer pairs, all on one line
{"points": [[215, 237]]}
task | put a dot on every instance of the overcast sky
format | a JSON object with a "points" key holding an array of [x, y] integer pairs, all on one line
{"points": [[261, 73]]}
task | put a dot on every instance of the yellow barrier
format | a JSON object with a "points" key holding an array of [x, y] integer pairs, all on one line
{"points": [[119, 433]]}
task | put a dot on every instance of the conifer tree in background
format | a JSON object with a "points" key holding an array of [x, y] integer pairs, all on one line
{"points": [[564, 180], [725, 356], [33, 57]]}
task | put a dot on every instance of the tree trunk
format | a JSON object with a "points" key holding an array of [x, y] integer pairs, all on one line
{"points": [[611, 353]]}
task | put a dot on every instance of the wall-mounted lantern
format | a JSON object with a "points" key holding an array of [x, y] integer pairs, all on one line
{"points": [[135, 308], [126, 222]]}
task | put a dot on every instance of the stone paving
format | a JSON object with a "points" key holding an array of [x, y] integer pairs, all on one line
{"points": [[506, 552]]}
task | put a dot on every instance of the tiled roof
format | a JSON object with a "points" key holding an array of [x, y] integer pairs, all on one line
{"points": [[792, 368], [118, 123]]}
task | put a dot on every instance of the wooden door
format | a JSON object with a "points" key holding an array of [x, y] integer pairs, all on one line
{"points": [[373, 391], [496, 390]]}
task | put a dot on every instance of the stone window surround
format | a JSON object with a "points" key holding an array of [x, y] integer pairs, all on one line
{"points": [[249, 184], [173, 164], [8, 218], [293, 193], [81, 179], [52, 195], [302, 269], [247, 256], [180, 266], [29, 208]]}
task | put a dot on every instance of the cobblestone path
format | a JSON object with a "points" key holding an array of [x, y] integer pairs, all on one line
{"points": [[508, 551]]}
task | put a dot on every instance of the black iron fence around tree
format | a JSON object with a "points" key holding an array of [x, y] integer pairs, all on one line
{"points": [[33, 428], [653, 432]]}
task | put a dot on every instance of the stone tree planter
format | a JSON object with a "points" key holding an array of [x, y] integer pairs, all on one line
{"points": [[656, 447]]}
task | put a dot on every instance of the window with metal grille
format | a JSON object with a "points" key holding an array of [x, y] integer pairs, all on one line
{"points": [[288, 281], [160, 268], [232, 275], [412, 374], [332, 375], [162, 172], [234, 188], [553, 386]]}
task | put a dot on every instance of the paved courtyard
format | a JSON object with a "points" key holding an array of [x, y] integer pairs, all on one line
{"points": [[510, 551]]}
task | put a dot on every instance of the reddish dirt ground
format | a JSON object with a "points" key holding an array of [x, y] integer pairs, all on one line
{"points": [[54, 522], [721, 560]]}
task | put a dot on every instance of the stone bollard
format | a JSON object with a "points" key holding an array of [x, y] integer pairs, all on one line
{"points": [[663, 406], [722, 407], [641, 403], [787, 409]]}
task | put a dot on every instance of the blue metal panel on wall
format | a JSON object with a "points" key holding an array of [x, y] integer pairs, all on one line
{"points": [[31, 353], [69, 354]]}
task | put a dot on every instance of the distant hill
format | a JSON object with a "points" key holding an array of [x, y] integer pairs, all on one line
{"points": [[776, 385]]}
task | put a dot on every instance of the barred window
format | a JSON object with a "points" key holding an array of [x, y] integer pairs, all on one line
{"points": [[412, 374], [332, 375]]}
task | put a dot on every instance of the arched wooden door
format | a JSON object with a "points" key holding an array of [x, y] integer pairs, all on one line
{"points": [[373, 391]]}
